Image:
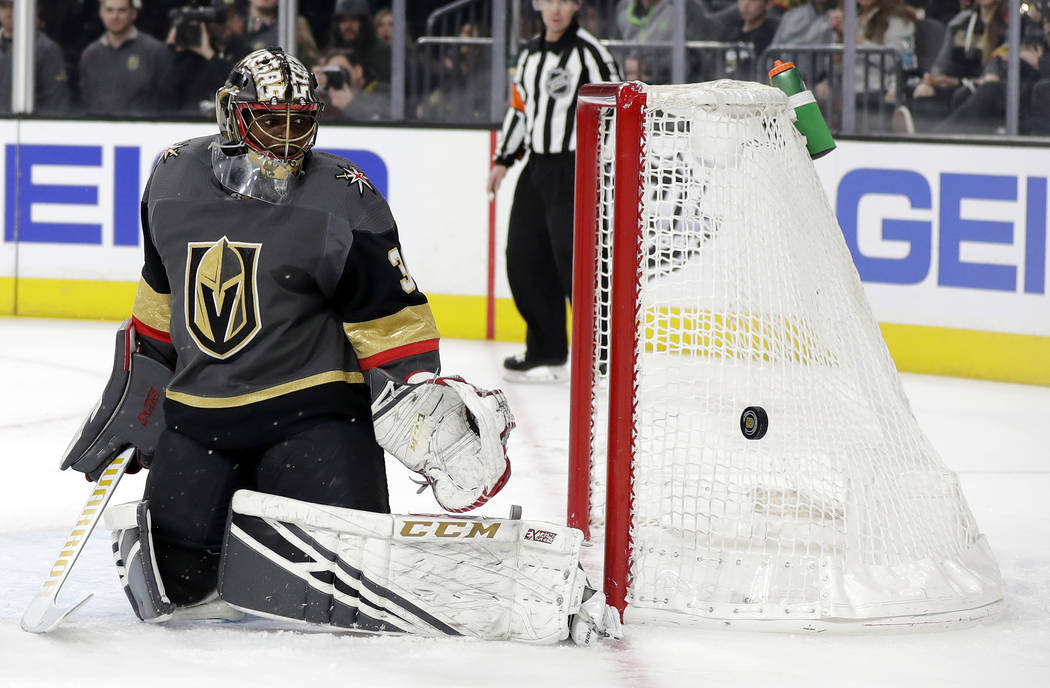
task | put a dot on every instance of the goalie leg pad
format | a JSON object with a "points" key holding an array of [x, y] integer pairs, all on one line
{"points": [[136, 566], [493, 579]]}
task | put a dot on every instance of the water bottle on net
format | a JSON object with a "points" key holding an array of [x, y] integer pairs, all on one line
{"points": [[808, 119]]}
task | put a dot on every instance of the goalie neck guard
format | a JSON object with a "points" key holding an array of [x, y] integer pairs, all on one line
{"points": [[267, 113]]}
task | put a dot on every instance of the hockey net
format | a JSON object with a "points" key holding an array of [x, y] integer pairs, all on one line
{"points": [[711, 276]]}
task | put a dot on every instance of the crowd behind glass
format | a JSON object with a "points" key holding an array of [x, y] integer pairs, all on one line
{"points": [[923, 66]]}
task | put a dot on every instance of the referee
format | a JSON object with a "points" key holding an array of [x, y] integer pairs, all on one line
{"points": [[541, 119]]}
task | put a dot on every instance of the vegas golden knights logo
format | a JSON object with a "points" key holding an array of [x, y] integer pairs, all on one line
{"points": [[222, 304]]}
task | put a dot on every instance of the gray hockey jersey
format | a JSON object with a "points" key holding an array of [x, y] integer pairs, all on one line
{"points": [[273, 314]]}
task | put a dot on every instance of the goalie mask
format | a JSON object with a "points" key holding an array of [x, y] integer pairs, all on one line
{"points": [[267, 113]]}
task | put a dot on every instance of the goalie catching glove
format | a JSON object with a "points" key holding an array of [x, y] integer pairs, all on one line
{"points": [[450, 432]]}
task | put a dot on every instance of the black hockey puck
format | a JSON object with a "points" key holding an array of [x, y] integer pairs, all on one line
{"points": [[754, 422]]}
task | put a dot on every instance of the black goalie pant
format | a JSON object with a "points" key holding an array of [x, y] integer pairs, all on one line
{"points": [[539, 252], [333, 461]]}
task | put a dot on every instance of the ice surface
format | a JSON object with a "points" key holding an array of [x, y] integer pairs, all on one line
{"points": [[51, 373]]}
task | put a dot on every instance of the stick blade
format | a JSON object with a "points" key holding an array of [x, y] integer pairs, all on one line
{"points": [[43, 615]]}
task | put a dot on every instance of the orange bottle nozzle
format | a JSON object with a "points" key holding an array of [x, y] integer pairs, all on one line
{"points": [[779, 67]]}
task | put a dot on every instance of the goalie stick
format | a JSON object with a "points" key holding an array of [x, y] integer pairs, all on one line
{"points": [[43, 613]]}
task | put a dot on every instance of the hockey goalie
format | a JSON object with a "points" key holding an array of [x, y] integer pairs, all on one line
{"points": [[277, 312]]}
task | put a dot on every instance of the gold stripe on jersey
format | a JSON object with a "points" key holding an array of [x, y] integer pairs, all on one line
{"points": [[264, 394], [408, 326], [151, 308]]}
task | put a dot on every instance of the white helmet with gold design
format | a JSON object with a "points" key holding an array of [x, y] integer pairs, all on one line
{"points": [[268, 104], [267, 113]]}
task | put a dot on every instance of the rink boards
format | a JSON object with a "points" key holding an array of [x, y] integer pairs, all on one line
{"points": [[950, 240]]}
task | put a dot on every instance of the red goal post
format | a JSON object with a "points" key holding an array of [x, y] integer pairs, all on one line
{"points": [[594, 102]]}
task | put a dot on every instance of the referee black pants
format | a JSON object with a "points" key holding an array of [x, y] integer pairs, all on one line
{"points": [[539, 252]]}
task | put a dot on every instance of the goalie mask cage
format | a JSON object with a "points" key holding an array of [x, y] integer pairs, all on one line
{"points": [[711, 276]]}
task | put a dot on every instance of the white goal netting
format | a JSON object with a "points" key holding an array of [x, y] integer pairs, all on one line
{"points": [[748, 297]]}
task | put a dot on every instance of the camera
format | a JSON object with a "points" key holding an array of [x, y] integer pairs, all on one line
{"points": [[189, 22], [337, 77]]}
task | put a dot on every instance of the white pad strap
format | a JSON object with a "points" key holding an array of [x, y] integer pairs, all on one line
{"points": [[487, 578]]}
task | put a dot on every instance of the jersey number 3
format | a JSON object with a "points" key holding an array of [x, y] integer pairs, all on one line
{"points": [[408, 285]]}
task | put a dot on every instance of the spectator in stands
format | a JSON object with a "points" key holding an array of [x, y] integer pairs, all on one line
{"points": [[808, 25], [237, 21], [635, 69], [352, 31], [72, 24], [753, 26], [204, 54], [383, 23], [1039, 102], [462, 75], [777, 8], [1032, 21], [349, 91], [261, 30], [969, 41], [51, 83], [940, 10], [653, 21], [879, 23], [982, 110], [261, 25], [125, 72]]}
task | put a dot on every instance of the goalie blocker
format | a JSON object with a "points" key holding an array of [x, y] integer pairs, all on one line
{"points": [[492, 579], [129, 413]]}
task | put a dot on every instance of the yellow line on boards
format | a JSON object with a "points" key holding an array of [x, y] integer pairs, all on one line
{"points": [[7, 295], [915, 348], [969, 353], [56, 298]]}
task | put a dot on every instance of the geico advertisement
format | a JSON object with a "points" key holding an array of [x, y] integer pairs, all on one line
{"points": [[942, 235], [72, 190], [946, 235]]}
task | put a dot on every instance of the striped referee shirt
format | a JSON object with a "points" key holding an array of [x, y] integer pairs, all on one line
{"points": [[542, 113]]}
